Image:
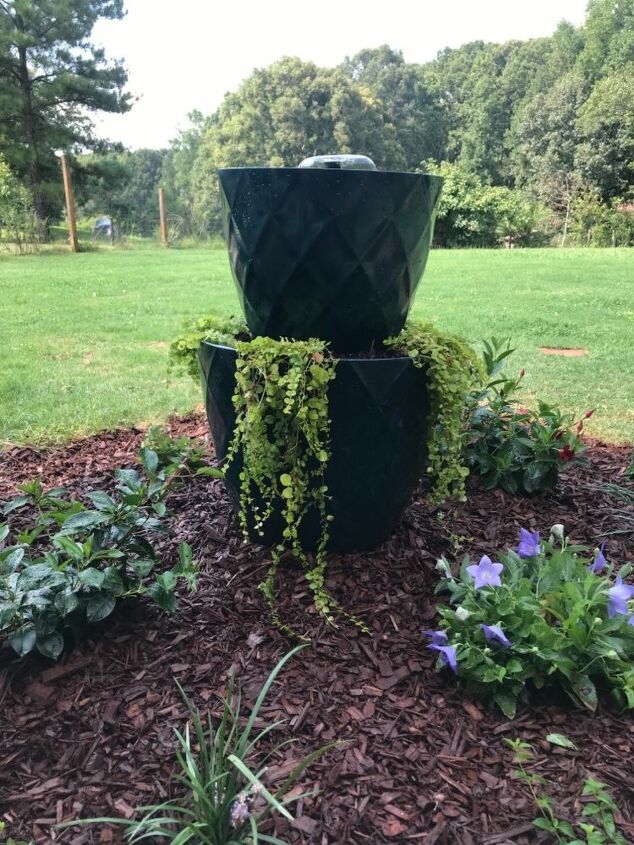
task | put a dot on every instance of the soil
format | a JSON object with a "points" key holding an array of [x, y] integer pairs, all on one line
{"points": [[572, 352], [414, 759]]}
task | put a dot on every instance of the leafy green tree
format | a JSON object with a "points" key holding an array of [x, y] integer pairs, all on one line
{"points": [[471, 213], [416, 113], [606, 123], [280, 115], [546, 152], [123, 186], [51, 78], [608, 35], [17, 217], [178, 167]]}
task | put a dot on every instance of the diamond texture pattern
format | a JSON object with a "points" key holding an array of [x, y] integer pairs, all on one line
{"points": [[334, 254], [379, 410]]}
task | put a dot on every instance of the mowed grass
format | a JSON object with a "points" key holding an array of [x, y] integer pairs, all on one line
{"points": [[83, 338]]}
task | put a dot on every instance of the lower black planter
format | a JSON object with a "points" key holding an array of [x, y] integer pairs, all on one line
{"points": [[379, 409]]}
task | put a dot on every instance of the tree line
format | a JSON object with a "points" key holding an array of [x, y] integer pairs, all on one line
{"points": [[535, 138]]}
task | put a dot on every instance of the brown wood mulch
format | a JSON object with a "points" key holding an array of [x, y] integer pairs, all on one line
{"points": [[415, 761]]}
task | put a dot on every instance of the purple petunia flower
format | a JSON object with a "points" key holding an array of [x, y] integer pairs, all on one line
{"points": [[239, 811], [437, 637], [599, 563], [495, 634], [529, 545], [619, 595], [486, 573], [447, 655]]}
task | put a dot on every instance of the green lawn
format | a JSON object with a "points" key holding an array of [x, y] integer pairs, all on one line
{"points": [[83, 339]]}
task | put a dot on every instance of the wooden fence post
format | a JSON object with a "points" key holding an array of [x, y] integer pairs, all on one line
{"points": [[70, 205], [163, 216]]}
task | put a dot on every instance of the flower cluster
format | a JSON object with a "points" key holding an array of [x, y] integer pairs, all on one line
{"points": [[542, 614], [241, 807]]}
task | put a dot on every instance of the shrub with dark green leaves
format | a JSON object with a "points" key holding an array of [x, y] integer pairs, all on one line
{"points": [[518, 449], [544, 615], [72, 564]]}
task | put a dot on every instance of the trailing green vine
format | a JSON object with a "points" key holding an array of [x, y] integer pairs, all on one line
{"points": [[453, 369], [282, 434], [183, 351]]}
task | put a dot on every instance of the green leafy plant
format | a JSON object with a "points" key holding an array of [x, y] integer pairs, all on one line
{"points": [[282, 439], [183, 351], [546, 614], [453, 370], [221, 798], [72, 564], [598, 826], [18, 222], [512, 447], [176, 454]]}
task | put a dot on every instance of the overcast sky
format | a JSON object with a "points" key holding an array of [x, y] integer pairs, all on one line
{"points": [[186, 54]]}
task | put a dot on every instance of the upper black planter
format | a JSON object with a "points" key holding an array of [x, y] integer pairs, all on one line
{"points": [[379, 409], [329, 253]]}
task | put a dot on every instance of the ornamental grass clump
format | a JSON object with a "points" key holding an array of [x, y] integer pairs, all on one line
{"points": [[545, 615], [221, 796]]}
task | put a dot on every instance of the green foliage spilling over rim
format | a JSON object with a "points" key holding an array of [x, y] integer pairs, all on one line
{"points": [[453, 370]]}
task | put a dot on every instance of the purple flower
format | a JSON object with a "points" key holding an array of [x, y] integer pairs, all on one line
{"points": [[447, 655], [600, 562], [495, 634], [486, 573], [529, 545], [630, 621], [619, 595], [437, 637], [239, 811]]}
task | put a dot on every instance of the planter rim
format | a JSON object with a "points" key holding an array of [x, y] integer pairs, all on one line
{"points": [[348, 358], [430, 176]]}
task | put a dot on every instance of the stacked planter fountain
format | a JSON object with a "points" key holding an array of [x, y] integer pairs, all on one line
{"points": [[334, 249]]}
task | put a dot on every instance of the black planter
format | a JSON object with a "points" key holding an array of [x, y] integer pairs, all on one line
{"points": [[329, 253], [379, 409]]}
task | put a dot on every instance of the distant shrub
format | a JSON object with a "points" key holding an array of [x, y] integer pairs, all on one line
{"points": [[18, 222]]}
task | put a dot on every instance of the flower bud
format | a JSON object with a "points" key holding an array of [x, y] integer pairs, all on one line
{"points": [[487, 650], [462, 614], [597, 620], [522, 372], [534, 649], [557, 532], [588, 414], [611, 653]]}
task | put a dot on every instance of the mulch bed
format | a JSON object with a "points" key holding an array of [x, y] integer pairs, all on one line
{"points": [[415, 760]]}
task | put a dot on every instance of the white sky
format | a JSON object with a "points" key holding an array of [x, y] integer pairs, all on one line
{"points": [[186, 54]]}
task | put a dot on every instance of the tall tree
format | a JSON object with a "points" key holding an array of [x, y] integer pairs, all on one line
{"points": [[608, 37], [412, 108], [51, 78], [280, 115], [546, 154], [606, 121]]}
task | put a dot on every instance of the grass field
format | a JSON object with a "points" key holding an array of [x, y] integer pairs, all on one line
{"points": [[83, 339]]}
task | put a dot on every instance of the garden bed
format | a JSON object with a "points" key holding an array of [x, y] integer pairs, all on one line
{"points": [[417, 761]]}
